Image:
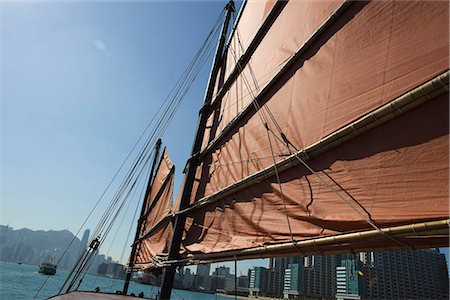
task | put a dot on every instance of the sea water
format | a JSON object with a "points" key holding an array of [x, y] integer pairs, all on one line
{"points": [[19, 282]]}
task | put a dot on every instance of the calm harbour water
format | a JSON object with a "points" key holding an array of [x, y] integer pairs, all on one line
{"points": [[19, 282]]}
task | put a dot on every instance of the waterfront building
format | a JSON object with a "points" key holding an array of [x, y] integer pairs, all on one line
{"points": [[320, 279], [349, 279], [277, 267], [229, 285], [188, 278], [407, 274], [243, 281], [202, 279], [258, 281], [222, 271], [203, 270], [84, 242], [292, 281], [114, 270], [309, 276], [401, 274]]}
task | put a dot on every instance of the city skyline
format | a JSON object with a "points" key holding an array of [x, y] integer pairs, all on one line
{"points": [[398, 274], [365, 274]]}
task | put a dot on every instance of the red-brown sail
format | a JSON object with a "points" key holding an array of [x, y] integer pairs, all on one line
{"points": [[376, 71], [155, 231]]}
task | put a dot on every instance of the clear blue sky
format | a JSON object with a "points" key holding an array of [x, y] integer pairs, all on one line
{"points": [[78, 84]]}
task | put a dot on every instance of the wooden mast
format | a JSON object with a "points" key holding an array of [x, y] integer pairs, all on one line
{"points": [[191, 166], [139, 223]]}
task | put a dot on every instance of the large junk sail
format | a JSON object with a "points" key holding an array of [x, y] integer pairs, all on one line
{"points": [[330, 118], [324, 129]]}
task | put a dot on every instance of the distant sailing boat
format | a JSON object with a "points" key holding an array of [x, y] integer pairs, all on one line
{"points": [[324, 130]]}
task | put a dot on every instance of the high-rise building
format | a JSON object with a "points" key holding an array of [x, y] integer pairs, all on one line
{"points": [[277, 266], [292, 281], [188, 278], [203, 270], [320, 279], [401, 274], [309, 275], [229, 285], [349, 280], [243, 281], [84, 242], [258, 281], [222, 271], [202, 279], [406, 274]]}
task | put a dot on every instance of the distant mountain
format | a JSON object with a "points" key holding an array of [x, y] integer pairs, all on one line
{"points": [[33, 247]]}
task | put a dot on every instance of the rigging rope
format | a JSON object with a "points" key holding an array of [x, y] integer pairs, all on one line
{"points": [[365, 218], [135, 215], [235, 278], [173, 100], [133, 221], [266, 125], [85, 264], [163, 117], [284, 141], [131, 225]]}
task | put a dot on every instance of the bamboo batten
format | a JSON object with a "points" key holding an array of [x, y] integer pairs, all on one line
{"points": [[406, 102], [275, 79], [313, 246], [255, 41]]}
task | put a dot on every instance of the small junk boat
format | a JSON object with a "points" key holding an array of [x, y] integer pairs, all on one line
{"points": [[48, 268]]}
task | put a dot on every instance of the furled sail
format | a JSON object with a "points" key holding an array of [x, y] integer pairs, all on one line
{"points": [[155, 230], [328, 132]]}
